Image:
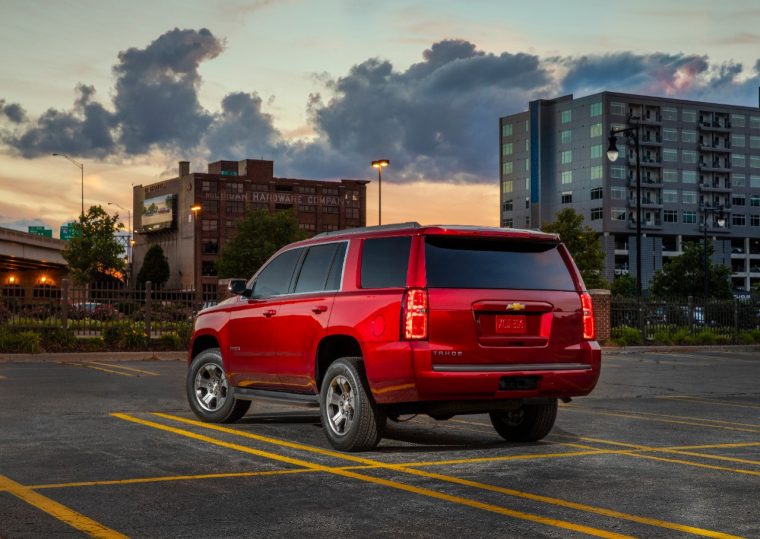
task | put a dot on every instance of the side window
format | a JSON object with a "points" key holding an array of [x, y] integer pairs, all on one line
{"points": [[385, 262], [275, 278], [316, 270], [336, 270]]}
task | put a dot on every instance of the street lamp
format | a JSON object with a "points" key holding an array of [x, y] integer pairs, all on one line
{"points": [[720, 220], [81, 168], [379, 164], [129, 236], [632, 132]]}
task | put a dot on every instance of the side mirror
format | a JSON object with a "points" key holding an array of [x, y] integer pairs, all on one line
{"points": [[237, 287]]}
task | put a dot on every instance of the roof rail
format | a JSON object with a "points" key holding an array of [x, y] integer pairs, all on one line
{"points": [[376, 228]]}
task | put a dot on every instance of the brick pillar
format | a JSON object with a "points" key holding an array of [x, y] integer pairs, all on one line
{"points": [[601, 300]]}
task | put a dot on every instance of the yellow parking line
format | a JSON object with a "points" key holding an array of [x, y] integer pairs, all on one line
{"points": [[710, 401], [378, 481], [456, 480], [140, 480], [59, 511], [114, 366], [101, 369], [654, 414]]}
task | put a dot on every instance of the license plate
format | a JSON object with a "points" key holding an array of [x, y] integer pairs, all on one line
{"points": [[512, 324]]}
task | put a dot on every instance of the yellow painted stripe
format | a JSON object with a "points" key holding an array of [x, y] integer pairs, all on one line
{"points": [[653, 414], [460, 481], [140, 480], [710, 401], [114, 366], [378, 481], [56, 510], [102, 369]]}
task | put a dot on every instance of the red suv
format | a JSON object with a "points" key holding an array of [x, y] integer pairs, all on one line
{"points": [[373, 323]]}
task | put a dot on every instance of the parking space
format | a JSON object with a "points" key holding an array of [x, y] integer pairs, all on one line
{"points": [[667, 446]]}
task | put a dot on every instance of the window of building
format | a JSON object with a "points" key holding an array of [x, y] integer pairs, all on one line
{"points": [[754, 122], [689, 197], [617, 214], [689, 116], [754, 141], [261, 187], [209, 225], [527, 145], [597, 193], [754, 220], [352, 213], [738, 180], [235, 207], [233, 187], [330, 192], [506, 130], [617, 172], [567, 116], [310, 190], [208, 268], [566, 136], [688, 136], [527, 184], [527, 203], [618, 109], [738, 120], [506, 148], [307, 208], [669, 134], [566, 157], [596, 130], [689, 156], [596, 151], [738, 219], [754, 180], [670, 175], [738, 199], [506, 187], [209, 187], [754, 200], [210, 247], [689, 217], [738, 141], [670, 195], [669, 154], [507, 205], [689, 176], [506, 167], [668, 114], [738, 160], [329, 209], [670, 216], [617, 193], [566, 197], [567, 176], [596, 109], [597, 214], [754, 161], [527, 165]]}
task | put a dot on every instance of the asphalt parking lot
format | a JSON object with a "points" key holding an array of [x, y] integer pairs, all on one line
{"points": [[667, 446]]}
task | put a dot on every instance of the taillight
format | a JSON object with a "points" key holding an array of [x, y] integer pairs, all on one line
{"points": [[588, 317], [416, 314]]}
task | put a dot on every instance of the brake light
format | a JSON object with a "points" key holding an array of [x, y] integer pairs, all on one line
{"points": [[588, 317], [416, 314]]}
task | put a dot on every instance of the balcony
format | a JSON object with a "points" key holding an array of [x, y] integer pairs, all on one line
{"points": [[720, 126], [646, 202], [651, 141], [652, 119], [715, 187], [650, 225], [713, 228], [653, 183], [649, 162], [722, 148], [714, 166]]}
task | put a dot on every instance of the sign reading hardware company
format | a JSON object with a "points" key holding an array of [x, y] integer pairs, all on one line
{"points": [[277, 198]]}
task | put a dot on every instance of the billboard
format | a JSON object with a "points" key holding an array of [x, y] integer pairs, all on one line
{"points": [[158, 213]]}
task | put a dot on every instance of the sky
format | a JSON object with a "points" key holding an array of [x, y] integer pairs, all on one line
{"points": [[128, 89]]}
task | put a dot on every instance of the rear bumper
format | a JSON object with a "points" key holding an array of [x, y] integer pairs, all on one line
{"points": [[461, 381]]}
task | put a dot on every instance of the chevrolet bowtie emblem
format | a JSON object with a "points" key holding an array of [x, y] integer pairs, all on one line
{"points": [[515, 307]]}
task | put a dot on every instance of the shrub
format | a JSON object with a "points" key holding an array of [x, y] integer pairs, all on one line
{"points": [[25, 342], [58, 340], [185, 333], [663, 337], [705, 337], [134, 337], [112, 334], [627, 336], [169, 341]]}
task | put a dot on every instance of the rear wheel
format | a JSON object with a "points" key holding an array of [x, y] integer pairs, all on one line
{"points": [[529, 423], [208, 392], [350, 418]]}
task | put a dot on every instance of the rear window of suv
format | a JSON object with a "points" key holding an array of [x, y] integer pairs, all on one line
{"points": [[385, 261], [456, 262]]}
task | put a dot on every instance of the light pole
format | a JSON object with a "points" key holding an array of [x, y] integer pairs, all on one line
{"points": [[81, 168], [720, 220], [379, 164], [129, 236], [632, 132]]}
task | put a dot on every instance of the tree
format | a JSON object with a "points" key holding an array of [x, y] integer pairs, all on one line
{"points": [[683, 276], [155, 267], [624, 286], [259, 235], [94, 253], [583, 244]]}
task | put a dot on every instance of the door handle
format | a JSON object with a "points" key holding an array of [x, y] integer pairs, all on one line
{"points": [[270, 313], [319, 309]]}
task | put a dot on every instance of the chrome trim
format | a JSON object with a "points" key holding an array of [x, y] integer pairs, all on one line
{"points": [[514, 367]]}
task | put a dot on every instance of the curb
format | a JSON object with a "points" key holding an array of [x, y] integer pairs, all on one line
{"points": [[677, 349], [74, 357]]}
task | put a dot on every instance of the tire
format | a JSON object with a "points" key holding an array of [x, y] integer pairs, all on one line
{"points": [[529, 423], [208, 392], [350, 418]]}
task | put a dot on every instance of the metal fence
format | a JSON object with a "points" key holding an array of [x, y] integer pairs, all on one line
{"points": [[729, 321]]}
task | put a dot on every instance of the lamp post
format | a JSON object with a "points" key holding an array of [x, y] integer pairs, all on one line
{"points": [[632, 132], [129, 236], [81, 168], [379, 164], [720, 221]]}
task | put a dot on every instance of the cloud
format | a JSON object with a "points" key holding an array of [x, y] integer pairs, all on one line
{"points": [[435, 120]]}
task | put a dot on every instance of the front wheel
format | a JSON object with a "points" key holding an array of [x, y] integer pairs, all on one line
{"points": [[350, 418], [208, 392], [529, 423]]}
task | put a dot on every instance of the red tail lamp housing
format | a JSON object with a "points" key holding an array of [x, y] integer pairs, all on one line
{"points": [[589, 332], [415, 314]]}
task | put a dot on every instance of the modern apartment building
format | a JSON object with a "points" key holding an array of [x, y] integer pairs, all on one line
{"points": [[699, 162], [195, 214]]}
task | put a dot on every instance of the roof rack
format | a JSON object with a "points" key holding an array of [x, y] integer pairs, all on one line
{"points": [[376, 228]]}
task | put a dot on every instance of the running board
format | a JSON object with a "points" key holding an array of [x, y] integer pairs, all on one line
{"points": [[300, 399]]}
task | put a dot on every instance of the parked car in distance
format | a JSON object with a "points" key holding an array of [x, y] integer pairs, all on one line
{"points": [[374, 323]]}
